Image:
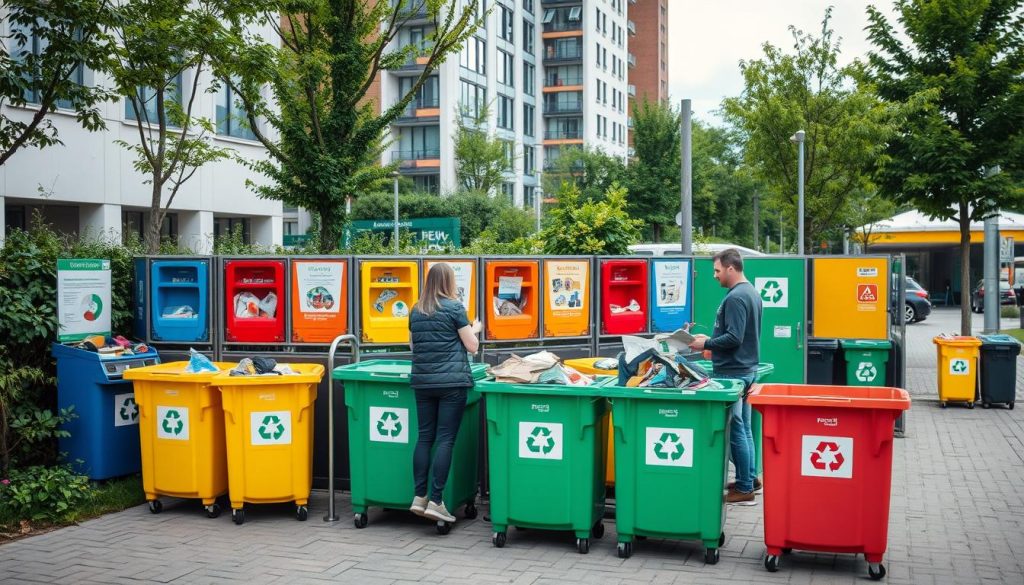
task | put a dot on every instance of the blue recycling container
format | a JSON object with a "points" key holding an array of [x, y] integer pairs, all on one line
{"points": [[140, 315], [180, 300], [104, 439]]}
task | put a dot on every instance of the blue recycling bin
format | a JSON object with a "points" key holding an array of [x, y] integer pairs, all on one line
{"points": [[180, 300], [140, 313], [104, 439]]}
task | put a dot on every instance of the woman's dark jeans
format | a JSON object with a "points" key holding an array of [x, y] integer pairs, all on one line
{"points": [[440, 414]]}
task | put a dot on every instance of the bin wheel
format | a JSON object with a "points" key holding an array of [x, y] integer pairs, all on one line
{"points": [[787, 551], [970, 405], [1011, 406], [598, 530], [721, 540], [470, 511], [711, 556], [625, 550], [301, 513], [985, 405], [238, 516], [213, 510], [771, 562], [583, 545], [876, 575], [443, 527], [943, 404], [156, 506], [498, 539], [361, 520]]}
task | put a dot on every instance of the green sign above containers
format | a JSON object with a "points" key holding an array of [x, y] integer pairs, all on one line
{"points": [[432, 233]]}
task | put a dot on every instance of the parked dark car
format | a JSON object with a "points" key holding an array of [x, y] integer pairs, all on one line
{"points": [[916, 306], [1006, 296]]}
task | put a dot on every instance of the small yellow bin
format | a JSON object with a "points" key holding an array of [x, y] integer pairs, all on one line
{"points": [[269, 428], [958, 368], [586, 366], [181, 431]]}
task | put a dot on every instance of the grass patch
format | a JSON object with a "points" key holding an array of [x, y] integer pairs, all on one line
{"points": [[109, 496], [1017, 334]]}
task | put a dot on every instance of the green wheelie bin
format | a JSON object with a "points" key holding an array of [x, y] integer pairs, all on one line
{"points": [[671, 462], [546, 446], [764, 370], [865, 361], [382, 430]]}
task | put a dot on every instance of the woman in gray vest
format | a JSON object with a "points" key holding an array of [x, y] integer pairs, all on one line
{"points": [[440, 336]]}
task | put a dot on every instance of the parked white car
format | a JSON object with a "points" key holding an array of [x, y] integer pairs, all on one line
{"points": [[676, 249]]}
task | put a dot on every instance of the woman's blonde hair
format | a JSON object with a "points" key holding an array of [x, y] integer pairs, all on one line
{"points": [[440, 285]]}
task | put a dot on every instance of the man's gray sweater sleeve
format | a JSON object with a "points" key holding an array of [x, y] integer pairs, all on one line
{"points": [[734, 317]]}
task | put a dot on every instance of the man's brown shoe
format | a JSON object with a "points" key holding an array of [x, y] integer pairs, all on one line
{"points": [[758, 486], [739, 498]]}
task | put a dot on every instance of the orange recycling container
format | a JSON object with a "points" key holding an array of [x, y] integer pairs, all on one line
{"points": [[511, 299], [566, 297], [319, 304]]}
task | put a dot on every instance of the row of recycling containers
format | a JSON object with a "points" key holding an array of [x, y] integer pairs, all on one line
{"points": [[205, 435], [973, 368]]}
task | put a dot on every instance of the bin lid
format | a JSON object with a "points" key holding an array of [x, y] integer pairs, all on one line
{"points": [[856, 344], [304, 374], [489, 386], [763, 368], [382, 370], [174, 372], [821, 396], [819, 343], [998, 340], [956, 341], [718, 390]]}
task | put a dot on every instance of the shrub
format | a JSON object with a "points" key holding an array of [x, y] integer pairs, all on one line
{"points": [[601, 227], [43, 494]]}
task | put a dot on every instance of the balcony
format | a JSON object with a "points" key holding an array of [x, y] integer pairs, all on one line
{"points": [[420, 112], [631, 27], [563, 26], [560, 108], [411, 10], [631, 90], [411, 160], [564, 134], [552, 80], [631, 58], [562, 55]]}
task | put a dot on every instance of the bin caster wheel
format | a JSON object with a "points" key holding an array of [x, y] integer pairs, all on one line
{"points": [[970, 406], [942, 404], [238, 516], [876, 575], [156, 506], [470, 511], [598, 530], [771, 562], [711, 556], [1011, 406], [498, 539], [213, 510], [301, 513], [721, 540], [787, 551], [625, 550], [583, 545], [985, 405], [444, 528], [361, 520]]}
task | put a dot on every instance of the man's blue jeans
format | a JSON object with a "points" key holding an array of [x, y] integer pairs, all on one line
{"points": [[741, 440], [440, 414]]}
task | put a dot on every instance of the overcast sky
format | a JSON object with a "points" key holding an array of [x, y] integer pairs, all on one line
{"points": [[708, 39]]}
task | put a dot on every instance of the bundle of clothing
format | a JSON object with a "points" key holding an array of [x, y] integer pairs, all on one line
{"points": [[542, 367], [653, 369]]}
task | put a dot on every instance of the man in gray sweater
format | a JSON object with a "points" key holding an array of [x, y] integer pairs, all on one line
{"points": [[734, 347]]}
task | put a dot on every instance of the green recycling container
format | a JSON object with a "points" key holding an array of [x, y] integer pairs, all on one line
{"points": [[671, 463], [382, 431], [865, 361], [546, 446], [763, 371]]}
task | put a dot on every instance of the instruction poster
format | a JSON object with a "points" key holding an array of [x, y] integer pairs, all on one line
{"points": [[319, 285], [670, 294], [566, 281], [83, 298], [463, 279]]}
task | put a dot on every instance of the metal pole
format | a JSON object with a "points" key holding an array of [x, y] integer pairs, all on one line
{"points": [[798, 138], [537, 205], [782, 237], [757, 218], [395, 236], [686, 196], [332, 515], [991, 259]]}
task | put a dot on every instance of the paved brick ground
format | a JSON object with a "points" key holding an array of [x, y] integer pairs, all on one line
{"points": [[957, 517]]}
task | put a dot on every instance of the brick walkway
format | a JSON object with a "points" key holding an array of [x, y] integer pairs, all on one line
{"points": [[957, 517]]}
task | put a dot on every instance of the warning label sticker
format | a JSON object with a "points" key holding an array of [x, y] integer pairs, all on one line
{"points": [[867, 293]]}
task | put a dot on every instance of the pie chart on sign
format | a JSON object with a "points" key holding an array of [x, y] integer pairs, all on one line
{"points": [[92, 307]]}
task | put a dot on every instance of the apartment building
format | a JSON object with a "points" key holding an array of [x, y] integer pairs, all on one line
{"points": [[648, 44], [88, 183]]}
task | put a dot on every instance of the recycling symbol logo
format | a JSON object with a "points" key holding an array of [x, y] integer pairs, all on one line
{"points": [[540, 440], [827, 456], [129, 410], [271, 429], [389, 425], [866, 372], [173, 423], [959, 367], [669, 447], [771, 292]]}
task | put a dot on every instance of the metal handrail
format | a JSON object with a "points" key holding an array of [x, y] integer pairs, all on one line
{"points": [[353, 341]]}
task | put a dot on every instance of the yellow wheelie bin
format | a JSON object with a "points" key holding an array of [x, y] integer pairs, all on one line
{"points": [[957, 358], [268, 422], [181, 432], [589, 366]]}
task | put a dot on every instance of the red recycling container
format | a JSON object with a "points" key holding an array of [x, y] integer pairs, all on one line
{"points": [[827, 468], [254, 306], [624, 296]]}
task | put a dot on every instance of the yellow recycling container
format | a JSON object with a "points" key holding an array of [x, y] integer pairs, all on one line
{"points": [[586, 366], [958, 368], [269, 428], [181, 431]]}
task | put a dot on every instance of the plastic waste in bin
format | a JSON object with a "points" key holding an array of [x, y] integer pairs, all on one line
{"points": [[624, 296], [382, 430], [268, 424], [821, 355], [865, 361], [828, 468], [104, 439], [180, 300], [998, 370], [254, 296], [957, 358], [671, 466], [546, 447], [181, 430]]}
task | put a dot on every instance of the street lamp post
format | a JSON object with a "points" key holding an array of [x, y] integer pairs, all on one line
{"points": [[537, 194], [394, 175], [798, 138]]}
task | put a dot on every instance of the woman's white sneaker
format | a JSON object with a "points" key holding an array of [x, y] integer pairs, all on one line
{"points": [[419, 505], [438, 512]]}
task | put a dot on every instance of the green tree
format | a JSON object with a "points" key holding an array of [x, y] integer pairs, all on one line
{"points": [[581, 226], [723, 187], [956, 70], [46, 47], [328, 55], [654, 173], [845, 126], [481, 160], [591, 170]]}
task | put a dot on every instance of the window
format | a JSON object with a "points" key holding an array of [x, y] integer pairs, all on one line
{"points": [[508, 148], [529, 160], [506, 68], [426, 183], [136, 222], [575, 13], [474, 55], [564, 75], [506, 112], [604, 61], [529, 193], [232, 118], [426, 97], [147, 96], [528, 36], [508, 190], [598, 127], [507, 30], [597, 19], [527, 6], [421, 142], [549, 16], [528, 119], [225, 226], [563, 129], [563, 102], [35, 46], [473, 98], [529, 79], [597, 51]]}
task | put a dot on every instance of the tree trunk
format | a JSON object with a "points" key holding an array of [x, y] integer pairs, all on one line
{"points": [[965, 270], [657, 232], [331, 228], [156, 222]]}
